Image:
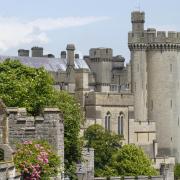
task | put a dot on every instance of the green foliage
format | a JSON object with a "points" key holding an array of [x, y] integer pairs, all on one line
{"points": [[104, 144], [36, 160], [22, 86], [131, 160], [72, 120], [113, 160], [177, 171]]}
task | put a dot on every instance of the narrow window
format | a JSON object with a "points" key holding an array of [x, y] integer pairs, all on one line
{"points": [[137, 137], [137, 67], [151, 105], [170, 67], [108, 121], [121, 124], [178, 121], [171, 103]]}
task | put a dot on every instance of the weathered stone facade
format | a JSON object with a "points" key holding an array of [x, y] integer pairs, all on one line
{"points": [[49, 127], [17, 126], [140, 100]]}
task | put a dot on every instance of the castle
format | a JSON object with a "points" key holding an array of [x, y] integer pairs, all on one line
{"points": [[140, 100]]}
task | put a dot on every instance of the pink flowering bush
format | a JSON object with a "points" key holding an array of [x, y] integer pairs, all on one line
{"points": [[36, 160]]}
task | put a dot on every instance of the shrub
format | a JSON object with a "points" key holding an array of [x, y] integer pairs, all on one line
{"points": [[36, 159]]}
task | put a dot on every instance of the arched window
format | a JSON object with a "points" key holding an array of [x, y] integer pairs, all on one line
{"points": [[121, 123], [108, 121]]}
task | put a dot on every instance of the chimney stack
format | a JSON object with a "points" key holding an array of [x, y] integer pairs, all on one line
{"points": [[63, 54], [76, 56], [23, 52], [70, 54]]}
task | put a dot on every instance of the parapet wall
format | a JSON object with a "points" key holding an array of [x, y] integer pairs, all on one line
{"points": [[47, 127], [109, 99], [152, 36]]}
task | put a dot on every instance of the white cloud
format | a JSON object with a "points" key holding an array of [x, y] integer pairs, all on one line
{"points": [[14, 32]]}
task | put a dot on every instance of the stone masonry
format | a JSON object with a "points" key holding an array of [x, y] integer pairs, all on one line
{"points": [[47, 127]]}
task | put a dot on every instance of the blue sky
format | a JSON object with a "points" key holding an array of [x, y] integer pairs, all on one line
{"points": [[87, 23]]}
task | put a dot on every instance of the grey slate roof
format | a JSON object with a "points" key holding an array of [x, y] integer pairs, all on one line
{"points": [[50, 64]]}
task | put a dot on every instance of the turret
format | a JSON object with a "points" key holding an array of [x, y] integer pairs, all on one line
{"points": [[70, 54], [101, 60], [139, 65], [138, 20]]}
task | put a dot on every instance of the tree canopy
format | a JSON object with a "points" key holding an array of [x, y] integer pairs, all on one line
{"points": [[112, 159], [177, 171], [104, 144], [131, 160], [23, 86]]}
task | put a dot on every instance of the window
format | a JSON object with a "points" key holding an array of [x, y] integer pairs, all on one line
{"points": [[151, 105], [121, 124], [171, 104], [137, 67], [134, 86], [1, 155], [107, 121], [170, 67]]}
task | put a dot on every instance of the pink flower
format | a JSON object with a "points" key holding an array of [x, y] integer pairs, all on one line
{"points": [[46, 161], [40, 158], [27, 142], [37, 146]]}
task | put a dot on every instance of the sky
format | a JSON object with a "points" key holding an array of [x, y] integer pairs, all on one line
{"points": [[52, 24]]}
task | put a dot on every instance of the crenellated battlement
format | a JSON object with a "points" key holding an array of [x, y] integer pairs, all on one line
{"points": [[21, 127], [152, 39]]}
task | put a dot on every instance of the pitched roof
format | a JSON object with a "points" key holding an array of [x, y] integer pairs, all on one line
{"points": [[50, 64]]}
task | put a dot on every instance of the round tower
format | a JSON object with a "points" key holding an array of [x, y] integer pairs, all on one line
{"points": [[139, 65], [163, 64]]}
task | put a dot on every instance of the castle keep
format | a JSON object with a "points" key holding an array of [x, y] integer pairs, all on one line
{"points": [[139, 100]]}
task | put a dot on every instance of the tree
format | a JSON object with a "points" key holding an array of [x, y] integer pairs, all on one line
{"points": [[22, 86], [36, 160], [105, 145], [72, 121], [177, 171], [131, 160]]}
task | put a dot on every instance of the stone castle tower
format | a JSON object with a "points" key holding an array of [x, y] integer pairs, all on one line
{"points": [[155, 60], [101, 61]]}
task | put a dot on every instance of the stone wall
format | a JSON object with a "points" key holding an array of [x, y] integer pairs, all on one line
{"points": [[86, 168], [47, 127]]}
